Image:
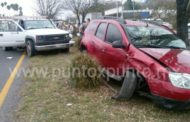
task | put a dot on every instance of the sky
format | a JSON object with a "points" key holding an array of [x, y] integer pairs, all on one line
{"points": [[29, 7]]}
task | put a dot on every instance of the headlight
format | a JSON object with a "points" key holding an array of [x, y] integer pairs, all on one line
{"points": [[68, 37], [180, 80]]}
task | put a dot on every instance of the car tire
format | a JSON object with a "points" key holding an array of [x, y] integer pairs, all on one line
{"points": [[128, 87], [7, 48], [30, 49], [83, 50]]}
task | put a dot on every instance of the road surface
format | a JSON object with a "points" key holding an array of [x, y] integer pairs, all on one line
{"points": [[9, 85]]}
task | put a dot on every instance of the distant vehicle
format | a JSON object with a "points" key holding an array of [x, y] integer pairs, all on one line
{"points": [[34, 34], [149, 59]]}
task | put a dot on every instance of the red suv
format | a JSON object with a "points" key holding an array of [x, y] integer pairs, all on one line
{"points": [[149, 59]]}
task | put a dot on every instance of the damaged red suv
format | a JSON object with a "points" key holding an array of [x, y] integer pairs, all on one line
{"points": [[149, 59]]}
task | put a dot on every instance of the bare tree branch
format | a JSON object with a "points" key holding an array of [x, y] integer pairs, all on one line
{"points": [[79, 7], [49, 8]]}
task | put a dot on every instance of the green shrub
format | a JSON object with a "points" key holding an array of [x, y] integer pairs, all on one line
{"points": [[85, 72]]}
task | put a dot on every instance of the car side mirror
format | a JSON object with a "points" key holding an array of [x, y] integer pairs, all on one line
{"points": [[118, 44]]}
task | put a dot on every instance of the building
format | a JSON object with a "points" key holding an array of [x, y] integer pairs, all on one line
{"points": [[129, 14]]}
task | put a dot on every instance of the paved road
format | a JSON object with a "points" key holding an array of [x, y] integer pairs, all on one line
{"points": [[8, 61]]}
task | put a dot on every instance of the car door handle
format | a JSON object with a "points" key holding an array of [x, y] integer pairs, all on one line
{"points": [[1, 34]]}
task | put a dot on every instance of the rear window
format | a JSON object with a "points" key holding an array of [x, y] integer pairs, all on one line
{"points": [[92, 27]]}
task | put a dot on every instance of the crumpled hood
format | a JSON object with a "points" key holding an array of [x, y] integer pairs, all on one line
{"points": [[46, 32], [176, 59]]}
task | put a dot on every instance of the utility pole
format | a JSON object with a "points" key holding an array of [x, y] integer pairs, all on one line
{"points": [[122, 9], [133, 3], [117, 8]]}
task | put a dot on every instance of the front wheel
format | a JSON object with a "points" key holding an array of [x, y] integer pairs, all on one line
{"points": [[128, 87], [30, 48], [66, 50]]}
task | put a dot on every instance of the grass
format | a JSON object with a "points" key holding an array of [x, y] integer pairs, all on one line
{"points": [[51, 99]]}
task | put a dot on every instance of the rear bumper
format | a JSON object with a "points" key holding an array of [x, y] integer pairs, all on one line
{"points": [[171, 104]]}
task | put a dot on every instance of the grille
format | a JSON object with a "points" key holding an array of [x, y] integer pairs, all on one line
{"points": [[54, 39]]}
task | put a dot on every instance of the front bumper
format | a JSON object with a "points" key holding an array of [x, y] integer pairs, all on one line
{"points": [[171, 104], [55, 46], [52, 47]]}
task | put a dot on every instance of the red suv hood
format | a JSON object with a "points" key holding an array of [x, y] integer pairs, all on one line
{"points": [[176, 59]]}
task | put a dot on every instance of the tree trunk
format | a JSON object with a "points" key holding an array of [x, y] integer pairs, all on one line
{"points": [[182, 21], [78, 18], [83, 17]]}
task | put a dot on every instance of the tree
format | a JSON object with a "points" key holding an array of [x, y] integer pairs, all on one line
{"points": [[101, 7], [2, 5], [48, 8], [79, 7], [128, 5], [8, 7], [15, 7], [182, 20], [5, 3], [20, 11]]}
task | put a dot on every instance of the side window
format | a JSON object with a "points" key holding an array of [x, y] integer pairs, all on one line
{"points": [[113, 34], [101, 31], [4, 27], [12, 27], [8, 26]]}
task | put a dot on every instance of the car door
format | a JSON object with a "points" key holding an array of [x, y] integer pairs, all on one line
{"points": [[98, 41], [115, 59], [11, 33]]}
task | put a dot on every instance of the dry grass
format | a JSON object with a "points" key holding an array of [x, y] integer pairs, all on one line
{"points": [[53, 100]]}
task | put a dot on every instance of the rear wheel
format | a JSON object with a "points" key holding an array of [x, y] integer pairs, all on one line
{"points": [[30, 49]]}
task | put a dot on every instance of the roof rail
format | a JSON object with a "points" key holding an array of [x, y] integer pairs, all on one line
{"points": [[120, 20]]}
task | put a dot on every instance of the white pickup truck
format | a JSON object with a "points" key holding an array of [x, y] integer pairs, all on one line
{"points": [[34, 34]]}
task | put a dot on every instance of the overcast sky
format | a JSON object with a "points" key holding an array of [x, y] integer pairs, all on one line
{"points": [[28, 6]]}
